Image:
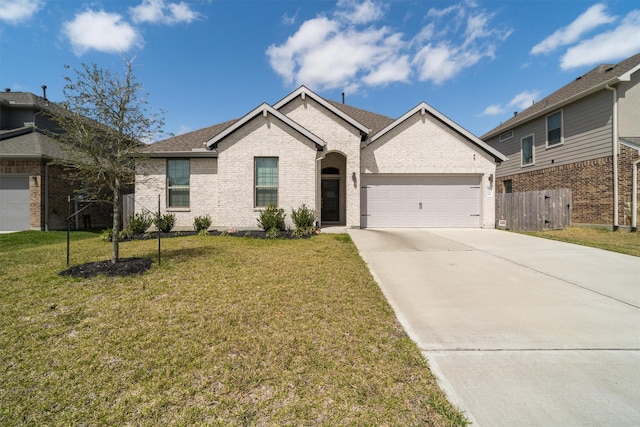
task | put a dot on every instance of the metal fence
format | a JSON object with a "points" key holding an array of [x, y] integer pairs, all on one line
{"points": [[534, 210]]}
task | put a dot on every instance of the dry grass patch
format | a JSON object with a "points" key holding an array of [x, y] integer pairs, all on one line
{"points": [[621, 241], [227, 331]]}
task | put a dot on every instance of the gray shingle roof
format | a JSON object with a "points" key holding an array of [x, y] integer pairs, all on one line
{"points": [[26, 99], [375, 122], [598, 76], [190, 140], [28, 143], [196, 139]]}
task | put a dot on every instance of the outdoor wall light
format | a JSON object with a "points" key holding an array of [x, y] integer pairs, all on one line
{"points": [[491, 178]]}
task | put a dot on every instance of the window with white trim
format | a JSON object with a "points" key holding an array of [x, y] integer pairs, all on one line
{"points": [[178, 175], [527, 150], [266, 181], [554, 129]]}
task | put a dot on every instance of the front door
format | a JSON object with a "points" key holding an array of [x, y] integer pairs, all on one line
{"points": [[330, 200]]}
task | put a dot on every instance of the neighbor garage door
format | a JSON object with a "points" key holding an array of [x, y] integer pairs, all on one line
{"points": [[14, 203], [420, 201]]}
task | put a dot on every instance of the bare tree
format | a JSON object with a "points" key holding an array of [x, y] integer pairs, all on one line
{"points": [[103, 121]]}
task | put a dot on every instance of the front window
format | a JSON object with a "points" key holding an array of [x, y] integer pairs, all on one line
{"points": [[178, 174], [266, 184], [554, 129], [527, 150]]}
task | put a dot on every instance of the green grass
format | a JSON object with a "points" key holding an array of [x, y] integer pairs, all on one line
{"points": [[621, 241], [227, 331]]}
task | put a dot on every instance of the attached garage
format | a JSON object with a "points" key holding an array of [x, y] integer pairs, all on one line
{"points": [[420, 201], [14, 200]]}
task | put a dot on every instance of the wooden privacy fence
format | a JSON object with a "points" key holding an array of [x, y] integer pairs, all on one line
{"points": [[128, 207], [534, 210]]}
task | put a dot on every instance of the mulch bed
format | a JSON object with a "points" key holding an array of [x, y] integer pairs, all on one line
{"points": [[133, 266], [124, 267]]}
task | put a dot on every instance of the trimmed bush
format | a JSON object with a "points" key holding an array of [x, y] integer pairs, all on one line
{"points": [[139, 222], [304, 220], [165, 222], [271, 218], [202, 223]]}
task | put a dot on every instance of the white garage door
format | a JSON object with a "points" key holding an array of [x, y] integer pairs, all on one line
{"points": [[420, 201], [14, 203]]}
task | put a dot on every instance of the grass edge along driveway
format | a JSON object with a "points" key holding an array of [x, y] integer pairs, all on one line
{"points": [[227, 331]]}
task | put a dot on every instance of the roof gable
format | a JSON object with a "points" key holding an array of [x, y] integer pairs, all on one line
{"points": [[303, 92], [264, 109], [424, 108], [592, 81]]}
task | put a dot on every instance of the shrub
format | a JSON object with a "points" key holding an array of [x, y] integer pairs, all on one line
{"points": [[304, 220], [139, 222], [271, 218], [107, 235], [165, 222], [202, 223]]}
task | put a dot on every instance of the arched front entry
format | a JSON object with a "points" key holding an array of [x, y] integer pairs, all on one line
{"points": [[332, 189]]}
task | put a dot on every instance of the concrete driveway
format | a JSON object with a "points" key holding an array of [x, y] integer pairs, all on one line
{"points": [[518, 330]]}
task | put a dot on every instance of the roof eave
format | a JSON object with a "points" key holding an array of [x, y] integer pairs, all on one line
{"points": [[265, 109], [545, 110], [424, 108], [179, 154], [303, 91]]}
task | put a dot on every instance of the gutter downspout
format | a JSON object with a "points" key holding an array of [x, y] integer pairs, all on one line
{"points": [[614, 124], [634, 197]]}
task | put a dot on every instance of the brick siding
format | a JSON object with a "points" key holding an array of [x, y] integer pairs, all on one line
{"points": [[59, 190], [591, 183]]}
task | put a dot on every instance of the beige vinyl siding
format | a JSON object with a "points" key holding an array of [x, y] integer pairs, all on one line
{"points": [[628, 101], [586, 130]]}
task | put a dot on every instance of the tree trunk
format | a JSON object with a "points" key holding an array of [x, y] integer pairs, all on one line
{"points": [[115, 251]]}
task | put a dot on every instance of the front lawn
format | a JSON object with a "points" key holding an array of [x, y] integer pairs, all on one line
{"points": [[227, 331], [622, 241]]}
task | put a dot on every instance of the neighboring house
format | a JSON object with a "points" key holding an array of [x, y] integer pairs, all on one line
{"points": [[354, 167], [33, 191], [586, 137]]}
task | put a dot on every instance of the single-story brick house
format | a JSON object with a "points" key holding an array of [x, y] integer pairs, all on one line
{"points": [[354, 167]]}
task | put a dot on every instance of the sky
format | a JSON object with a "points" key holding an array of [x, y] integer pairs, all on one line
{"points": [[203, 62]]}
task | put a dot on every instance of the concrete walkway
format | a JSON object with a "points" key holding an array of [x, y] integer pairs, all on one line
{"points": [[520, 331]]}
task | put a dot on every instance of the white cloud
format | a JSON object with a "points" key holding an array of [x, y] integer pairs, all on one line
{"points": [[619, 43], [349, 49], [359, 13], [593, 17], [493, 110], [457, 38], [520, 101], [15, 11], [101, 31], [160, 12], [524, 99]]}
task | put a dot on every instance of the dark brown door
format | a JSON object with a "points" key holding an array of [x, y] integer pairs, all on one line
{"points": [[330, 200]]}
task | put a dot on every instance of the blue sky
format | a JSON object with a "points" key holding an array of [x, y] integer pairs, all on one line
{"points": [[207, 61]]}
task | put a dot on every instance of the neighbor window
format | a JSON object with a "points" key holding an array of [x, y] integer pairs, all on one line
{"points": [[554, 129], [178, 183], [508, 186], [266, 172], [527, 150]]}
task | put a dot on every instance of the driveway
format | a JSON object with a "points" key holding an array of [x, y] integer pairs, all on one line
{"points": [[518, 330]]}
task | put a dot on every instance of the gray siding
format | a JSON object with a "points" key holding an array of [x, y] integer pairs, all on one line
{"points": [[586, 131]]}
